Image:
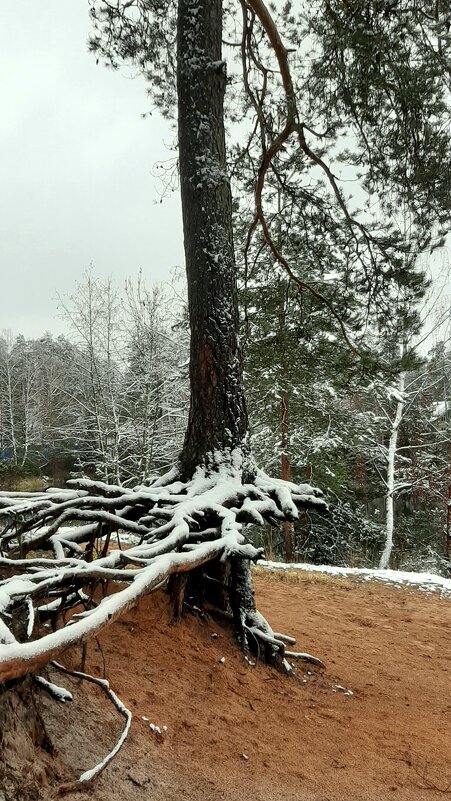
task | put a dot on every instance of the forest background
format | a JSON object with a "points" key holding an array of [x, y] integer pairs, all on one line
{"points": [[110, 401], [354, 399]]}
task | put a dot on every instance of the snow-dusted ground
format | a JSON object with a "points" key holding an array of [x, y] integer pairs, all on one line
{"points": [[426, 582]]}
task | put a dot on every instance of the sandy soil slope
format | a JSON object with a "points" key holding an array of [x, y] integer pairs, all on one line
{"points": [[305, 739]]}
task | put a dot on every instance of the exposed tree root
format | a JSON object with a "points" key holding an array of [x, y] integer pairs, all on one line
{"points": [[50, 541], [104, 685]]}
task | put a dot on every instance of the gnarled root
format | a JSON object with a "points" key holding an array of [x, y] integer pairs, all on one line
{"points": [[256, 633], [48, 569]]}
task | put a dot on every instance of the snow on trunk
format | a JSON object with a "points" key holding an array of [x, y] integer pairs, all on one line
{"points": [[217, 417], [391, 486]]}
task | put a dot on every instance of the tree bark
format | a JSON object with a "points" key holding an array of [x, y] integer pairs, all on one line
{"points": [[217, 418]]}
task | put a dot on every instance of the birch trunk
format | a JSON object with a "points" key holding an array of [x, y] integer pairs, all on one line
{"points": [[10, 406], [285, 474], [391, 485]]}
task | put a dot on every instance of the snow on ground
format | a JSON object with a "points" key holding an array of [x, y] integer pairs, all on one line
{"points": [[426, 582]]}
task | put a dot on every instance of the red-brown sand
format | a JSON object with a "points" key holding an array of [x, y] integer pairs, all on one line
{"points": [[304, 738]]}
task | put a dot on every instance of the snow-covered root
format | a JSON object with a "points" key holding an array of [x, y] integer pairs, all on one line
{"points": [[260, 634], [257, 635], [313, 660], [56, 692], [49, 569], [104, 685], [17, 658]]}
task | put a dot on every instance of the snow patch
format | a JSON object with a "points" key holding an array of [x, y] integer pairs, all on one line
{"points": [[426, 582]]}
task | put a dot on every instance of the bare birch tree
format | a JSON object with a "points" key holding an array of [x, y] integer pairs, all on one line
{"points": [[193, 516]]}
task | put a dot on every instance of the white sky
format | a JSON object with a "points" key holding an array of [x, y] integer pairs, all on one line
{"points": [[76, 165], [76, 183]]}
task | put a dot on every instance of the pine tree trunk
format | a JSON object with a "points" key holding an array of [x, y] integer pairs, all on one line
{"points": [[217, 418], [218, 422]]}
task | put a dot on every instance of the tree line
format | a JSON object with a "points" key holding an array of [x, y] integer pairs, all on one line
{"points": [[110, 401]]}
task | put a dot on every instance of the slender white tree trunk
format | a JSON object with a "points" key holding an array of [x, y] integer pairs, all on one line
{"points": [[10, 404], [390, 494], [29, 382]]}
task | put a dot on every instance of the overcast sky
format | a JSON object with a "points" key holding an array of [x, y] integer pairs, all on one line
{"points": [[76, 169], [76, 163]]}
